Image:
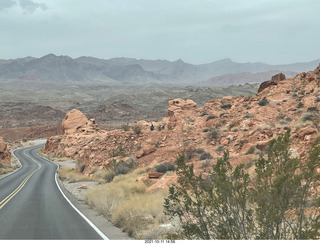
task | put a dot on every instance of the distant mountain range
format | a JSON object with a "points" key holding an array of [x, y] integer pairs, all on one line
{"points": [[61, 69]]}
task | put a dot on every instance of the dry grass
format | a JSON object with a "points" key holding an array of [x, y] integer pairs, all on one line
{"points": [[5, 170], [71, 175], [129, 206]]}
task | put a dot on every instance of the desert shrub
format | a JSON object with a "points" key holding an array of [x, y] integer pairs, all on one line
{"points": [[189, 152], [220, 148], [251, 150], [211, 117], [205, 155], [205, 163], [300, 105], [123, 167], [263, 102], [283, 122], [71, 175], [118, 151], [205, 130], [110, 174], [317, 99], [306, 117], [127, 203], [288, 119], [312, 109], [199, 150], [248, 115], [82, 167], [5, 169], [137, 129], [280, 116], [212, 134], [203, 114], [125, 127], [164, 167], [249, 164], [281, 203], [226, 106]]}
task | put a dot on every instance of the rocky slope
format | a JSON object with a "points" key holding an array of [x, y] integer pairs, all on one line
{"points": [[242, 125], [5, 155]]}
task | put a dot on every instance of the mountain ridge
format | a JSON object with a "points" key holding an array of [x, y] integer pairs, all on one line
{"points": [[131, 70]]}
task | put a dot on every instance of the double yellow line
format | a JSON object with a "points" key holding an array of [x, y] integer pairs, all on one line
{"points": [[15, 192]]}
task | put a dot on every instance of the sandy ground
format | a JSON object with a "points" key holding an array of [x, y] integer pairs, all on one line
{"points": [[76, 190]]}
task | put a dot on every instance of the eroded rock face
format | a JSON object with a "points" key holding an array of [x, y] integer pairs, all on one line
{"points": [[5, 155], [73, 121]]}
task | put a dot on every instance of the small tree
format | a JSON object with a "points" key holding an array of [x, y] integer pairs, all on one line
{"points": [[282, 202], [287, 204], [211, 207]]}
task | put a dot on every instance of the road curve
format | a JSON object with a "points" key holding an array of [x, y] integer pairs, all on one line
{"points": [[32, 206]]}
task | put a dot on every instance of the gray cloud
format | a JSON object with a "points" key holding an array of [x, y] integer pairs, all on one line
{"points": [[4, 4], [197, 31], [29, 6]]}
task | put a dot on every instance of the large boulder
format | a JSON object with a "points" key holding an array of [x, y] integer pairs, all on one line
{"points": [[73, 121], [273, 82]]}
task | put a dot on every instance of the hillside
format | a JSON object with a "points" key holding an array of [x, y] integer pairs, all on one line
{"points": [[242, 125]]}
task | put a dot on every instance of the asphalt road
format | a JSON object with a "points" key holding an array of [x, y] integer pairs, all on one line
{"points": [[32, 206]]}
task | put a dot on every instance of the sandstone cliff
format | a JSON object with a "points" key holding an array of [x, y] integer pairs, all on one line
{"points": [[242, 125]]}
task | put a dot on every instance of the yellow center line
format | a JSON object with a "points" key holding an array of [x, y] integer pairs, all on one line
{"points": [[15, 192]]}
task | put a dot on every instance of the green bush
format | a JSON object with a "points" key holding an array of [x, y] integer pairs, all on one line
{"points": [[164, 167], [205, 155], [263, 102], [312, 109], [137, 129], [125, 127], [300, 105], [212, 134], [282, 202], [200, 150], [211, 117], [203, 114], [226, 106]]}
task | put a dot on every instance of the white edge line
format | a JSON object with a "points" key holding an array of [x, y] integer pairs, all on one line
{"points": [[103, 236]]}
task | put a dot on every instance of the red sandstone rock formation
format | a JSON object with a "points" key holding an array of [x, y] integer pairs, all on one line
{"points": [[238, 124]]}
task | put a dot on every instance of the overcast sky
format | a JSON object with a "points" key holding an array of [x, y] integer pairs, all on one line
{"points": [[197, 31]]}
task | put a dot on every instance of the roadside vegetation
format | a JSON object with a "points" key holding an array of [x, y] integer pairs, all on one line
{"points": [[281, 200], [126, 202], [71, 175], [5, 169]]}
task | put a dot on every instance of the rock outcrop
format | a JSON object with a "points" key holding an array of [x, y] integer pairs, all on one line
{"points": [[73, 121], [5, 155], [242, 125], [273, 82]]}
